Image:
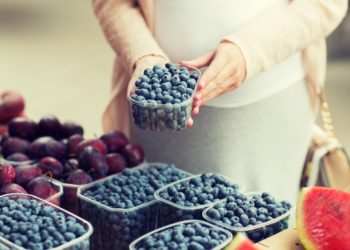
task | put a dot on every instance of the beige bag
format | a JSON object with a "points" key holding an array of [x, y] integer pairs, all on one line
{"points": [[327, 163]]}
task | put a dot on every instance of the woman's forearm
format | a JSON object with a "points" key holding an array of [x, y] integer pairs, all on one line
{"points": [[126, 30], [282, 31]]}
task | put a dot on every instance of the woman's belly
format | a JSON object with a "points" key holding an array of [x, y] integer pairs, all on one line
{"points": [[186, 29]]}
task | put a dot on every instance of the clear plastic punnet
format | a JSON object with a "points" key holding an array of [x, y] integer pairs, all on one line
{"points": [[254, 232], [170, 212], [136, 243], [115, 228], [81, 243], [160, 117]]}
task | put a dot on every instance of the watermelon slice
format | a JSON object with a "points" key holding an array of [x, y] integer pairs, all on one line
{"points": [[323, 219], [241, 242]]}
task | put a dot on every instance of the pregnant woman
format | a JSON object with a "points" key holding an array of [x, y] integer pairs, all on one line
{"points": [[265, 64]]}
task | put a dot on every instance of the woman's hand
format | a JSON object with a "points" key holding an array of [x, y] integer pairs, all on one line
{"points": [[140, 66], [226, 71]]}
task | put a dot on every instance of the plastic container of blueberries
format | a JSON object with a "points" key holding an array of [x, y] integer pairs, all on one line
{"points": [[161, 117], [256, 232], [116, 228], [170, 212], [135, 243], [81, 243]]}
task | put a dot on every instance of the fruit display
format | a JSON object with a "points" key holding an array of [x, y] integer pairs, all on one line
{"points": [[31, 223], [241, 242], [186, 199], [59, 149], [258, 215], [163, 97], [122, 207], [323, 218], [11, 105], [191, 234], [28, 179]]}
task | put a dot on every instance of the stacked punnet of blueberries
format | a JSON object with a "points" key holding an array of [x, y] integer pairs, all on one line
{"points": [[129, 197], [191, 235], [240, 211], [32, 225], [163, 97], [187, 199]]}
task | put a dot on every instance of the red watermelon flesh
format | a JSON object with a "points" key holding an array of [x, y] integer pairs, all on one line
{"points": [[323, 219], [241, 242]]}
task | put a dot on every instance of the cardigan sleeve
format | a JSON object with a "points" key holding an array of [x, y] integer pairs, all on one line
{"points": [[126, 30], [281, 31]]}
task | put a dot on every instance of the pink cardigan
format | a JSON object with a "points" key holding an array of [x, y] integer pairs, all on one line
{"points": [[271, 37]]}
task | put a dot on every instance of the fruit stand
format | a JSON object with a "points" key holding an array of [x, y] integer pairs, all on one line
{"points": [[61, 190]]}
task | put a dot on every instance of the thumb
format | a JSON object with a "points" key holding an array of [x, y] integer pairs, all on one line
{"points": [[199, 62]]}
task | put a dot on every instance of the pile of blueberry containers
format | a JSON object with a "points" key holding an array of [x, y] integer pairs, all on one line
{"points": [[28, 222], [122, 207], [163, 97]]}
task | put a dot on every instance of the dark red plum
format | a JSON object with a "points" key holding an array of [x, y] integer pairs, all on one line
{"points": [[47, 146], [41, 187], [97, 144], [93, 161], [70, 165], [51, 165], [18, 157], [133, 154], [50, 126], [115, 141], [23, 128], [79, 177], [72, 144], [12, 188], [14, 145], [7, 174], [71, 128], [116, 163], [25, 174], [11, 105]]}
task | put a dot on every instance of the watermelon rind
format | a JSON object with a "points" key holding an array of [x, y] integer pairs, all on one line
{"points": [[308, 245]]}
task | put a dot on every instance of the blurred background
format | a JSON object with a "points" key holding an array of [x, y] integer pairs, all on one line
{"points": [[56, 56]]}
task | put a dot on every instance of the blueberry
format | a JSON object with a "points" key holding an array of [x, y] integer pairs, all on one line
{"points": [[145, 79], [166, 78], [185, 97], [191, 83], [145, 85], [166, 86], [214, 214], [152, 95], [169, 65], [181, 89], [159, 72], [148, 72], [194, 76]]}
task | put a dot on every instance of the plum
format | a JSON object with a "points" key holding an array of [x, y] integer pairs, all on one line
{"points": [[79, 177], [19, 157], [97, 144], [41, 187], [73, 142], [7, 174], [115, 141], [12, 188], [51, 165], [11, 105], [92, 160], [25, 174], [3, 129], [133, 154], [70, 165], [14, 145], [23, 128], [47, 146], [116, 163], [50, 126], [71, 128]]}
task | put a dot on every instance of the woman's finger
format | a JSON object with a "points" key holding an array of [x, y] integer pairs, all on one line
{"points": [[213, 70], [189, 122], [200, 61], [218, 89], [195, 111]]}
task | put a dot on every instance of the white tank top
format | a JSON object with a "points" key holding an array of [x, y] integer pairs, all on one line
{"points": [[186, 29]]}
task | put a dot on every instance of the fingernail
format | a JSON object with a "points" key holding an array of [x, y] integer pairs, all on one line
{"points": [[202, 84]]}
